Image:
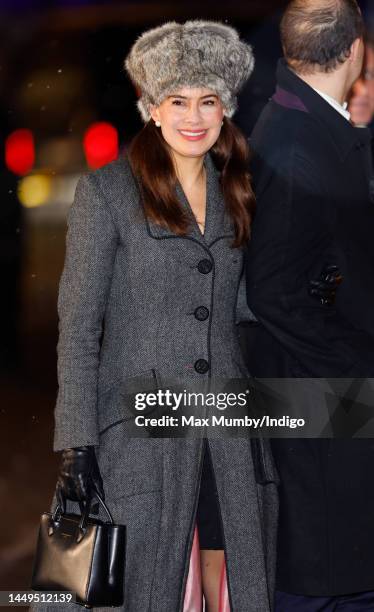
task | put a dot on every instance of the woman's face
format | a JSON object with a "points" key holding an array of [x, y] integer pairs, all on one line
{"points": [[191, 120], [361, 105]]}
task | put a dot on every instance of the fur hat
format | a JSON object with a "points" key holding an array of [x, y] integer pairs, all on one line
{"points": [[194, 54]]}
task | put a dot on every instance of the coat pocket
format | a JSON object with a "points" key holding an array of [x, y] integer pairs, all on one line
{"points": [[119, 402], [263, 462]]}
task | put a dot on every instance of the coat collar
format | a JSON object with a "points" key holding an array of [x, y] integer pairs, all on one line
{"points": [[217, 223], [293, 92]]}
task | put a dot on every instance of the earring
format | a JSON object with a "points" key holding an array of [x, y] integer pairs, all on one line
{"points": [[158, 124]]}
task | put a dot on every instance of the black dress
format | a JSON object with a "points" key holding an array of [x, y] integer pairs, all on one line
{"points": [[208, 516]]}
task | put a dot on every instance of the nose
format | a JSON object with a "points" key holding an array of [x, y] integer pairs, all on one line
{"points": [[360, 88], [193, 114], [363, 89]]}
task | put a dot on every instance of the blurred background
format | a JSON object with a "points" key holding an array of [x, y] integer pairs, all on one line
{"points": [[66, 106]]}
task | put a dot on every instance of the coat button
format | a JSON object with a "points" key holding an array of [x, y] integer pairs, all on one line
{"points": [[201, 313], [201, 366], [204, 266]]}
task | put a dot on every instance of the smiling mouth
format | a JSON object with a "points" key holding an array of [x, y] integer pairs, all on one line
{"points": [[192, 135]]}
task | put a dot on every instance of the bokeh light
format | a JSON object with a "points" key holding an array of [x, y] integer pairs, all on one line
{"points": [[20, 151], [34, 190], [100, 144]]}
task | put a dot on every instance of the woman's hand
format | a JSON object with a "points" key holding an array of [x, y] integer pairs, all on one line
{"points": [[79, 476]]}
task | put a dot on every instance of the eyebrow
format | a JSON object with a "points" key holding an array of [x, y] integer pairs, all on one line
{"points": [[186, 98]]}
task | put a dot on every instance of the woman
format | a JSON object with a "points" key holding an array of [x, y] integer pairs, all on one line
{"points": [[154, 258]]}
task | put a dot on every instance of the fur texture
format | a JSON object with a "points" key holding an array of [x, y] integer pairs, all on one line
{"points": [[194, 54]]}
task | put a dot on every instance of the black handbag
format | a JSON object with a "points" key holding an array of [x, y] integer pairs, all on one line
{"points": [[81, 554]]}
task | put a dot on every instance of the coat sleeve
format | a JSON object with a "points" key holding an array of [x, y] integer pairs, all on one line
{"points": [[292, 240], [84, 287]]}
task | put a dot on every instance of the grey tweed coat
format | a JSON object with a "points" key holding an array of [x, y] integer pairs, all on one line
{"points": [[142, 284]]}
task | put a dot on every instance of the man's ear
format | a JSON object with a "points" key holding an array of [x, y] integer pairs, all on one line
{"points": [[356, 49]]}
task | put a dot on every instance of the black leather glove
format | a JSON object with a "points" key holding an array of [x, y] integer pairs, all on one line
{"points": [[324, 288], [79, 476]]}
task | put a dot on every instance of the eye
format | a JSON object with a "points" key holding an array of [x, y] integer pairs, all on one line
{"points": [[177, 102], [210, 102]]}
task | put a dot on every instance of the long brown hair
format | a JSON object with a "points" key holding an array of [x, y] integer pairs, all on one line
{"points": [[152, 164]]}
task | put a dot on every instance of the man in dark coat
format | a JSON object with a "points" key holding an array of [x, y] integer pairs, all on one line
{"points": [[312, 170]]}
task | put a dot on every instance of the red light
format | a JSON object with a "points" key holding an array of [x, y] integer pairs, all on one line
{"points": [[100, 144], [20, 151]]}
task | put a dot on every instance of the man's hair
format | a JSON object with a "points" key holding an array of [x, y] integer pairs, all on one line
{"points": [[317, 34]]}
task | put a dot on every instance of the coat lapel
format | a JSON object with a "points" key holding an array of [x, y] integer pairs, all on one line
{"points": [[217, 222]]}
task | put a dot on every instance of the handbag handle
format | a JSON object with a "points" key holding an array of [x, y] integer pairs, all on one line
{"points": [[82, 527]]}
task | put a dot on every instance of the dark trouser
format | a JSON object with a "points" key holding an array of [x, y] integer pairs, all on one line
{"points": [[359, 602]]}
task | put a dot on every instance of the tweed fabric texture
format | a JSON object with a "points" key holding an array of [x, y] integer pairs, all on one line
{"points": [[194, 54], [127, 295]]}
